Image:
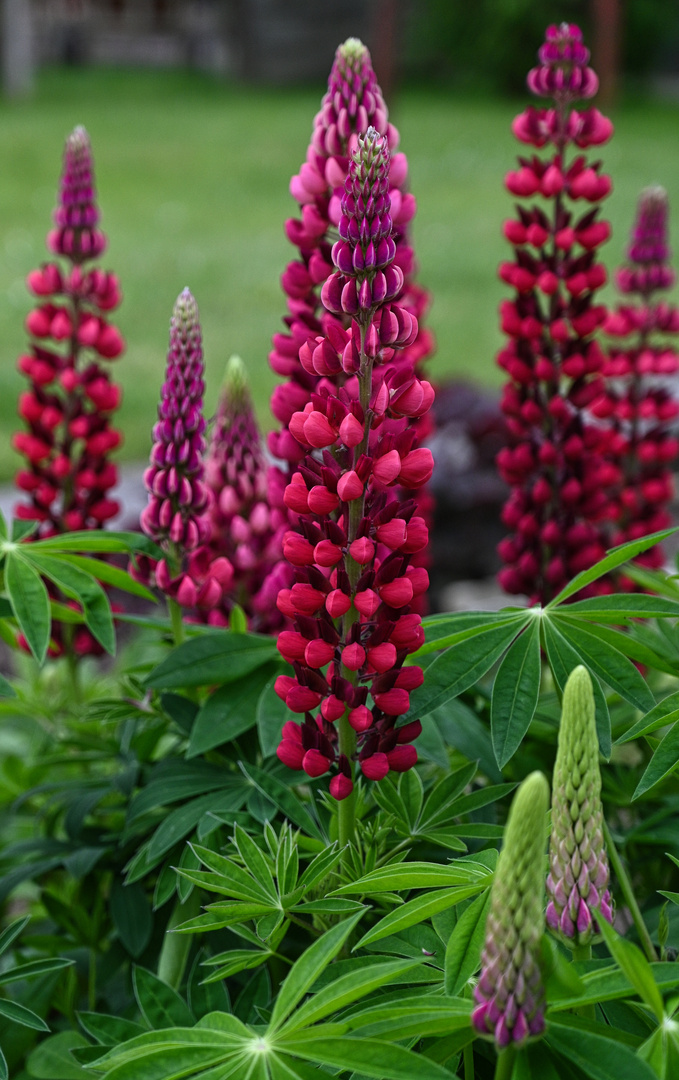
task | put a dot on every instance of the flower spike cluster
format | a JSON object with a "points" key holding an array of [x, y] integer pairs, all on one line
{"points": [[638, 404], [68, 410], [353, 546], [352, 104], [578, 876], [243, 527], [510, 995], [175, 516], [557, 464]]}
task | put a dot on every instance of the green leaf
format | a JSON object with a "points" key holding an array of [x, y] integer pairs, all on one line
{"points": [[625, 606], [11, 932], [105, 542], [21, 1015], [416, 911], [32, 968], [600, 1057], [30, 603], [229, 878], [305, 971], [369, 1057], [611, 983], [52, 1059], [159, 1004], [6, 688], [609, 664], [83, 588], [220, 657], [270, 715], [515, 694], [255, 861], [204, 997], [412, 1016], [109, 574], [183, 819], [442, 631], [443, 794], [563, 658], [613, 558], [632, 961], [396, 877], [282, 797], [664, 713], [463, 952], [662, 763], [460, 666], [131, 914], [109, 1030], [226, 714], [345, 990]]}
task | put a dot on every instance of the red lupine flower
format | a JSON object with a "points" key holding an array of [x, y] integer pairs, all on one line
{"points": [[68, 408], [350, 604], [316, 349], [638, 405], [557, 463]]}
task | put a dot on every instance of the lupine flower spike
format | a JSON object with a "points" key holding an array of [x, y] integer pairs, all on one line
{"points": [[352, 104], [351, 602], [68, 409], [176, 513], [639, 404], [557, 463], [69, 436], [244, 528], [510, 994], [578, 864]]}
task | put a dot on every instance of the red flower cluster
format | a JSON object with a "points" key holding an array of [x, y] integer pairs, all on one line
{"points": [[68, 409], [557, 464], [638, 404], [353, 546], [352, 104]]}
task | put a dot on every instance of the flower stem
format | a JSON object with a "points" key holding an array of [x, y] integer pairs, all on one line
{"points": [[176, 620], [505, 1063], [176, 947], [630, 899], [469, 1061], [584, 952]]}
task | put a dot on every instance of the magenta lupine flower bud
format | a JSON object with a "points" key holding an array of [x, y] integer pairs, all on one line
{"points": [[563, 73], [578, 876], [176, 513], [69, 407], [354, 540], [638, 406], [316, 349], [510, 994], [559, 464]]}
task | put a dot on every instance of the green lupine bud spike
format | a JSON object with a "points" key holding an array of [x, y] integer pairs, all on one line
{"points": [[578, 864], [510, 994]]}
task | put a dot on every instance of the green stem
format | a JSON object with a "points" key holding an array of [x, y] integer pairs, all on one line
{"points": [[92, 981], [630, 899], [584, 952], [176, 947], [176, 620], [469, 1061], [505, 1063]]}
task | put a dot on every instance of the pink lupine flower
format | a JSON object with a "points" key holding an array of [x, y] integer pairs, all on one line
{"points": [[316, 326], [68, 408], [67, 411], [638, 405], [353, 545], [558, 463], [243, 527], [175, 516]]}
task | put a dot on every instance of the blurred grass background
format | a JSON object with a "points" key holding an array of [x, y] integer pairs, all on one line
{"points": [[192, 175]]}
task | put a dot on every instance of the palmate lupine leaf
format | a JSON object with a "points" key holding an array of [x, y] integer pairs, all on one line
{"points": [[570, 634]]}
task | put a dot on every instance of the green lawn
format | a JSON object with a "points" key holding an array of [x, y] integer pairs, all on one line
{"points": [[193, 184]]}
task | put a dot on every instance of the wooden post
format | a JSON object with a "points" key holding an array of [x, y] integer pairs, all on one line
{"points": [[17, 47], [606, 48]]}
